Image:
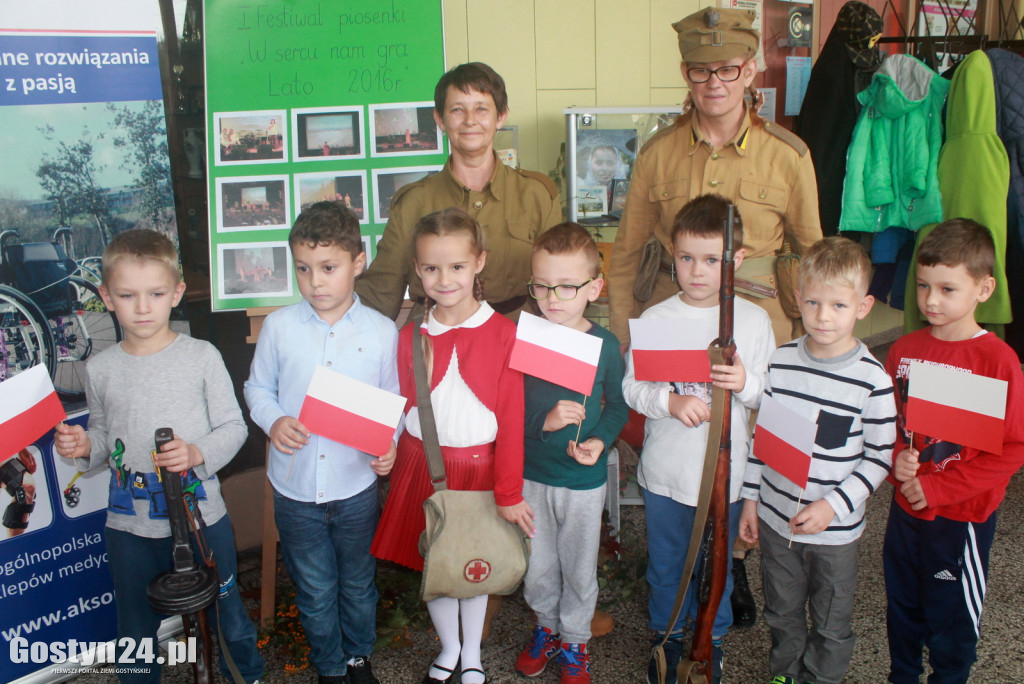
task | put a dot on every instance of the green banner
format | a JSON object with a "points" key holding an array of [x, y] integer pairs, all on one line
{"points": [[308, 101]]}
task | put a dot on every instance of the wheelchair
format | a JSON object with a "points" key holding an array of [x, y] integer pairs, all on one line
{"points": [[49, 314]]}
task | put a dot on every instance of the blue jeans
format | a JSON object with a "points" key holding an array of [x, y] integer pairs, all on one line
{"points": [[134, 561], [326, 548], [669, 524]]}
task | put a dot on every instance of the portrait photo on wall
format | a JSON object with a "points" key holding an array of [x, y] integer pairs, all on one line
{"points": [[257, 268], [404, 129], [250, 137], [327, 133], [603, 155], [252, 203], [386, 182], [345, 186]]}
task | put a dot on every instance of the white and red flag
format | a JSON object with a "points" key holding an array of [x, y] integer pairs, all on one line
{"points": [[556, 353], [956, 406], [351, 412], [784, 440], [29, 408], [670, 349]]}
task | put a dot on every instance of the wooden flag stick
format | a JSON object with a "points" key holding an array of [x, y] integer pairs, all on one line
{"points": [[792, 531], [581, 422]]}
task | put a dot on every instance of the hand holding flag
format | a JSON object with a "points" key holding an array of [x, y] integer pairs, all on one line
{"points": [[29, 408]]}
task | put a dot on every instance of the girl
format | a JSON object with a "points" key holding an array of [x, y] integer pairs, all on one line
{"points": [[478, 407]]}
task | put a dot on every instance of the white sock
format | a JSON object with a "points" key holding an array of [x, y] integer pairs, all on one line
{"points": [[444, 613], [474, 611]]}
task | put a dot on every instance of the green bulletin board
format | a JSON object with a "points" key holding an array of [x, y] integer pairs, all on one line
{"points": [[309, 100]]}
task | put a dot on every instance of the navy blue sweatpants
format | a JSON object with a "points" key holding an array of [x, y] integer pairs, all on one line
{"points": [[935, 573]]}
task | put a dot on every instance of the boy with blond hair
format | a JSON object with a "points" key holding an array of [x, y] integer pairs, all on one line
{"points": [[809, 535], [565, 475], [678, 415], [157, 378], [325, 493], [943, 516]]}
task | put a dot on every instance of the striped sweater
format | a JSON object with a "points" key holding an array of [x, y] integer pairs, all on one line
{"points": [[850, 398]]}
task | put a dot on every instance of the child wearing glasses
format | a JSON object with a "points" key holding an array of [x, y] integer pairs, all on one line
{"points": [[567, 437], [678, 413]]}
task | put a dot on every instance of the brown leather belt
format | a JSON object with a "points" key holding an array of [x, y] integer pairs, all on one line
{"points": [[504, 307]]}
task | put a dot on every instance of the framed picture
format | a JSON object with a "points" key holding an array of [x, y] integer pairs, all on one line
{"points": [[254, 269], [252, 203], [327, 133], [346, 186], [250, 137], [602, 155], [403, 129], [386, 182], [620, 188], [591, 201]]}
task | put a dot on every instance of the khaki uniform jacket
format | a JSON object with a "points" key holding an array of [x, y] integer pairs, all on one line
{"points": [[765, 170], [514, 208]]}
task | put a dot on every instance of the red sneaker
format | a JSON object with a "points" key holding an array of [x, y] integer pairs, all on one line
{"points": [[575, 664], [535, 656]]}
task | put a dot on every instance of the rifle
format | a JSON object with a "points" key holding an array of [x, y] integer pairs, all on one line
{"points": [[712, 516], [715, 539]]}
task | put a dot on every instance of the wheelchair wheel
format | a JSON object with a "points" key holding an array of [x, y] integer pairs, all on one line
{"points": [[25, 337], [88, 329]]}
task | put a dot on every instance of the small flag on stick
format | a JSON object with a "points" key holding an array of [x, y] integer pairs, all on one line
{"points": [[351, 412], [784, 441], [29, 408], [556, 353], [956, 406]]}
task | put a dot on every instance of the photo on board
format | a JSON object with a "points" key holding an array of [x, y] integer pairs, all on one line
{"points": [[254, 269], [327, 133], [603, 155], [250, 137], [404, 129], [386, 182], [252, 203], [344, 186]]}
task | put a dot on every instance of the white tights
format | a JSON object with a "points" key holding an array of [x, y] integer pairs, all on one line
{"points": [[444, 613]]}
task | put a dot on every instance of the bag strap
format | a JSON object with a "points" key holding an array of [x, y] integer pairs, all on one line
{"points": [[431, 443], [707, 480]]}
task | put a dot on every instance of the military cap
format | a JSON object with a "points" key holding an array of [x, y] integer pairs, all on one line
{"points": [[714, 35]]}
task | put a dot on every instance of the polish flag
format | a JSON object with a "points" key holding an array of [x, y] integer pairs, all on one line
{"points": [[29, 408], [351, 412], [784, 440], [956, 406], [670, 349], [556, 353]]}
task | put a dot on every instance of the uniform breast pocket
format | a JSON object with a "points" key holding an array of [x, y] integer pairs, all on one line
{"points": [[670, 197], [522, 228], [833, 430], [760, 192]]}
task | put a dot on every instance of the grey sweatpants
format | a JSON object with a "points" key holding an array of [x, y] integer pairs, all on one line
{"points": [[561, 582], [808, 578]]}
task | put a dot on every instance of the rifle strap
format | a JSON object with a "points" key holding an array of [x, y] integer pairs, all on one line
{"points": [[707, 481]]}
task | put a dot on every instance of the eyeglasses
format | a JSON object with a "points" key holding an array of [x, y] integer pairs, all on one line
{"points": [[564, 292], [725, 74]]}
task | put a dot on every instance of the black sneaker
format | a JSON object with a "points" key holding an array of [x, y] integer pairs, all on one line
{"points": [[717, 660], [673, 654], [361, 672], [744, 609]]}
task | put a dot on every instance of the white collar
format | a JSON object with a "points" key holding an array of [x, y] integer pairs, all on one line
{"points": [[479, 317]]}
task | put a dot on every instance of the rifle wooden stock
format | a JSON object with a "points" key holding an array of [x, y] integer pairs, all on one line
{"points": [[713, 573]]}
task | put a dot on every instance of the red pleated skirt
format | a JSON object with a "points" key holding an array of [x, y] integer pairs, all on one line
{"points": [[402, 521]]}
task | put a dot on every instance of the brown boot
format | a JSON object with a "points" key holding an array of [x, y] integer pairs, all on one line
{"points": [[602, 624]]}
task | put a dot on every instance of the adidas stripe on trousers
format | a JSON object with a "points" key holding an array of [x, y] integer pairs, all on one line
{"points": [[935, 572]]}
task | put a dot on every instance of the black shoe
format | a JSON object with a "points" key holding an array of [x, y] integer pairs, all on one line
{"points": [[717, 660], [744, 610], [673, 654], [332, 679], [427, 679], [361, 672]]}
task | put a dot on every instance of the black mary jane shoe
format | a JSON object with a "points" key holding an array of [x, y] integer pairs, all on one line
{"points": [[475, 669], [431, 680]]}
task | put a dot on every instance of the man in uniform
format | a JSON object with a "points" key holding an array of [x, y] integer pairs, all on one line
{"points": [[513, 206], [718, 145]]}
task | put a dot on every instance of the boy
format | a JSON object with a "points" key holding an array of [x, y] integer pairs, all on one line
{"points": [[943, 518], [157, 378], [677, 421], [566, 479], [809, 535], [325, 493]]}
